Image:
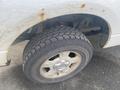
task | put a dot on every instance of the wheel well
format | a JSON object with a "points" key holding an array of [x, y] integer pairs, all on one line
{"points": [[95, 28]]}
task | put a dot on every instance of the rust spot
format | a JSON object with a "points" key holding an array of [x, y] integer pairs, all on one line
{"points": [[41, 14], [42, 17], [83, 5]]}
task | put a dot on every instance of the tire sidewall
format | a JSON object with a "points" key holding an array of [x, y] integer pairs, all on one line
{"points": [[77, 45]]}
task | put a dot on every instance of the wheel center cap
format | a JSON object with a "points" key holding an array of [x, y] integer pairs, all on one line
{"points": [[61, 66]]}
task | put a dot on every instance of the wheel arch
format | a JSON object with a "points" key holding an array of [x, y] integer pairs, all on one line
{"points": [[70, 20]]}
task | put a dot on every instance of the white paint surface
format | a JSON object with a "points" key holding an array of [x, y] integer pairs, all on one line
{"points": [[18, 15]]}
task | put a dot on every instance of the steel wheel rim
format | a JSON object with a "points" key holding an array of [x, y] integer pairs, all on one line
{"points": [[61, 64]]}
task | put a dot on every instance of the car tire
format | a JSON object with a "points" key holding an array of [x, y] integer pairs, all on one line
{"points": [[51, 43]]}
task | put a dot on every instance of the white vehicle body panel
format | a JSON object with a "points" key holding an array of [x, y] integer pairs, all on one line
{"points": [[16, 16]]}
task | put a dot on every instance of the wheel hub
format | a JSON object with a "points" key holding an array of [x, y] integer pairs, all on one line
{"points": [[61, 66]]}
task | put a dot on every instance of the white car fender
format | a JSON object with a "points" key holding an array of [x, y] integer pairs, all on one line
{"points": [[17, 16]]}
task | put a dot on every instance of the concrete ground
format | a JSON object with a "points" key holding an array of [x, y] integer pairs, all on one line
{"points": [[102, 73]]}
